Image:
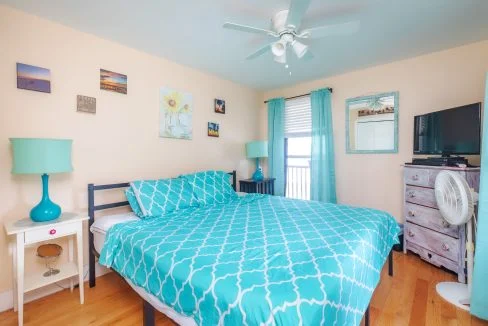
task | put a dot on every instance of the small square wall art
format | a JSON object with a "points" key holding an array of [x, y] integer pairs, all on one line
{"points": [[213, 129], [33, 78], [86, 104], [219, 106], [112, 81]]}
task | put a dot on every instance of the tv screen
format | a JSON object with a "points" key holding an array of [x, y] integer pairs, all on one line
{"points": [[455, 131]]}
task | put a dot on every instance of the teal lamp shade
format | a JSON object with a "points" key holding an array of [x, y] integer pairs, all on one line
{"points": [[42, 156], [257, 149]]}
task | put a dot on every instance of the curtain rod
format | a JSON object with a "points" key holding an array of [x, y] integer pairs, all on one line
{"points": [[298, 96]]}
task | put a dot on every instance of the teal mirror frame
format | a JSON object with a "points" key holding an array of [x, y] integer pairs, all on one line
{"points": [[370, 98]]}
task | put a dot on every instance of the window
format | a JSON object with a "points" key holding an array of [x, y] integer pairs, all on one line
{"points": [[298, 117], [298, 145]]}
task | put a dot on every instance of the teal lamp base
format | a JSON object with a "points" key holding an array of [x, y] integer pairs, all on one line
{"points": [[46, 210], [258, 174]]}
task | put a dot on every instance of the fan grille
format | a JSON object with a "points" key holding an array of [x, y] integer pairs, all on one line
{"points": [[454, 198]]}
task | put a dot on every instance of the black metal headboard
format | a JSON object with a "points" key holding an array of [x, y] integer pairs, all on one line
{"points": [[92, 208]]}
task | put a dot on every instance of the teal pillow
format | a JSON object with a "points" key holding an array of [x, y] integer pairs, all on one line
{"points": [[158, 197], [131, 198], [211, 187]]}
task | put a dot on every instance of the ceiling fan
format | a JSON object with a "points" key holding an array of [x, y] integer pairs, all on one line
{"points": [[285, 27]]}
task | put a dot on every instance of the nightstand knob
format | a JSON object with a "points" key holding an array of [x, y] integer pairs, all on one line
{"points": [[415, 177], [445, 247], [411, 213], [52, 231], [411, 194], [411, 234], [445, 224]]}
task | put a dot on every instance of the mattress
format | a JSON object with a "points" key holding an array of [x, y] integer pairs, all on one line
{"points": [[99, 229]]}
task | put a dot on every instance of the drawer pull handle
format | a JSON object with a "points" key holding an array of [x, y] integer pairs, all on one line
{"points": [[415, 177], [411, 234], [411, 194], [52, 231], [445, 247], [411, 213]]}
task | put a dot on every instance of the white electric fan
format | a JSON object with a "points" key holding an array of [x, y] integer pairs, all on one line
{"points": [[456, 203]]}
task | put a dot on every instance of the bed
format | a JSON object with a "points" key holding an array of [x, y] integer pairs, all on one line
{"points": [[258, 259]]}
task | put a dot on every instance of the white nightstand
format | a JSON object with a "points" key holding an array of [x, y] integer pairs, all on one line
{"points": [[28, 233]]}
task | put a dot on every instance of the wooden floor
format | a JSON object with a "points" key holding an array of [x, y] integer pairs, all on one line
{"points": [[409, 298]]}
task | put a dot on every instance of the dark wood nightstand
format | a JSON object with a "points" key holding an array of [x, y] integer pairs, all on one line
{"points": [[266, 186]]}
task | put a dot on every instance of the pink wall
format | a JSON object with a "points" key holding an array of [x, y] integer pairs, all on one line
{"points": [[427, 83], [121, 141]]}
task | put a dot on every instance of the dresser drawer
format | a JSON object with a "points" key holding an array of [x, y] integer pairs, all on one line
{"points": [[438, 243], [421, 196], [432, 257], [51, 232], [416, 177], [430, 218]]}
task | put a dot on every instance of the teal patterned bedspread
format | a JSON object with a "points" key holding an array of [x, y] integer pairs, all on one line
{"points": [[258, 260]]}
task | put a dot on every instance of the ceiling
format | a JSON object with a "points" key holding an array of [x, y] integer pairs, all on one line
{"points": [[190, 32]]}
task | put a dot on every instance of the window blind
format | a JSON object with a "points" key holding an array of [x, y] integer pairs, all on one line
{"points": [[298, 117]]}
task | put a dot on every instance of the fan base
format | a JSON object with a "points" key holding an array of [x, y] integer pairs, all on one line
{"points": [[454, 293]]}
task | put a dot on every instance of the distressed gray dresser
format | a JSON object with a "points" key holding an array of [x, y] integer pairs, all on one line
{"points": [[426, 233]]}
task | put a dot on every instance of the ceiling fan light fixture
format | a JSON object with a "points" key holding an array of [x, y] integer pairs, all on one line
{"points": [[280, 58], [278, 48], [299, 48]]}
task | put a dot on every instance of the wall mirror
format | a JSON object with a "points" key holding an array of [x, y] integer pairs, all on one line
{"points": [[372, 124]]}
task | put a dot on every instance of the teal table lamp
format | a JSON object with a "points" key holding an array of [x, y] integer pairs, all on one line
{"points": [[42, 156], [257, 149]]}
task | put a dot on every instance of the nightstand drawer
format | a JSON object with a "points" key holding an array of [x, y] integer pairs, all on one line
{"points": [[51, 232]]}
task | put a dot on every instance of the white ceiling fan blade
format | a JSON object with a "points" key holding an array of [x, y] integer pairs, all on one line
{"points": [[327, 30], [296, 12], [249, 29], [259, 52]]}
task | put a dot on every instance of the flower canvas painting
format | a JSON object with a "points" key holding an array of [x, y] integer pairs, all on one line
{"points": [[175, 114]]}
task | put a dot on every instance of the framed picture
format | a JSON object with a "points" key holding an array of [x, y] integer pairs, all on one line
{"points": [[175, 114], [86, 104], [112, 81], [33, 78], [219, 106], [213, 129]]}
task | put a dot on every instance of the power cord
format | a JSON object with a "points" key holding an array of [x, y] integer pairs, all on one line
{"points": [[74, 287]]}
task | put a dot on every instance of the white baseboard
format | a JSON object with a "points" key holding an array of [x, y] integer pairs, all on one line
{"points": [[6, 297]]}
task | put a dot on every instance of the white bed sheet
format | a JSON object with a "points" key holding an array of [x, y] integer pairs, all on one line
{"points": [[99, 229]]}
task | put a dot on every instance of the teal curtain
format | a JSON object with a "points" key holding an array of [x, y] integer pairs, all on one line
{"points": [[322, 170], [479, 296], [276, 143]]}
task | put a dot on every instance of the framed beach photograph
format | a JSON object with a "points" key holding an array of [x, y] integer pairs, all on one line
{"points": [[112, 81], [33, 78], [219, 106], [213, 129]]}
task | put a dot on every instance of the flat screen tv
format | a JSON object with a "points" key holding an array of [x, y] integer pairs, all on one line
{"points": [[454, 131]]}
